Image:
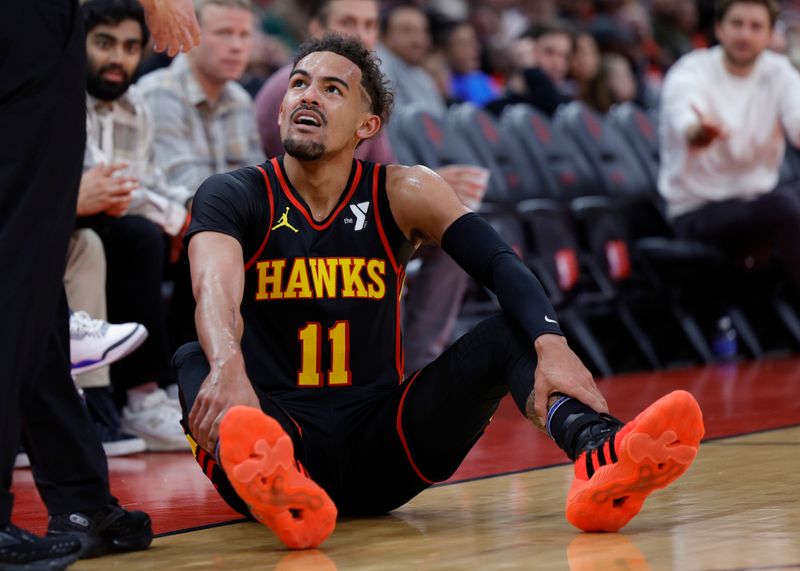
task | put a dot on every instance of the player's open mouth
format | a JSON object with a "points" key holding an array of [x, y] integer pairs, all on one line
{"points": [[308, 118]]}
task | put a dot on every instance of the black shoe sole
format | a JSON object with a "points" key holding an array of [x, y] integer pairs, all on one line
{"points": [[55, 564], [95, 546]]}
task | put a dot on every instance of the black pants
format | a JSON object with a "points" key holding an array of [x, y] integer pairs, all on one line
{"points": [[738, 227], [406, 438], [42, 127], [135, 273]]}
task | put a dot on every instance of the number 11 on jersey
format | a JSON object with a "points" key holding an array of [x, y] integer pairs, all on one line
{"points": [[310, 373]]}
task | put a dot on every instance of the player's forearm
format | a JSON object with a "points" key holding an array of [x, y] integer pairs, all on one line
{"points": [[477, 248], [219, 322]]}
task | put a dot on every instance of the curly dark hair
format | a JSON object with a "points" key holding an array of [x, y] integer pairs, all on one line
{"points": [[372, 80]]}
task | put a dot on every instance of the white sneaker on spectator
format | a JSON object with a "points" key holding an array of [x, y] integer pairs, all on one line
{"points": [[95, 343], [157, 421], [22, 460]]}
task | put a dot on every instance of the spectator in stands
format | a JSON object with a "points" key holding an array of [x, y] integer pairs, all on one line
{"points": [[583, 66], [438, 68], [460, 44], [405, 46], [128, 203], [204, 119], [541, 60], [725, 114], [613, 83]]}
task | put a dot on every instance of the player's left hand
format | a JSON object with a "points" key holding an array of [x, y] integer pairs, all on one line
{"points": [[173, 25], [224, 387], [559, 370]]}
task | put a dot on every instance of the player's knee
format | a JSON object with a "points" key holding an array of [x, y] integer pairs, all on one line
{"points": [[185, 352]]}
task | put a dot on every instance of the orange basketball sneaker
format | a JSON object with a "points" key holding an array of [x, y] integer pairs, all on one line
{"points": [[648, 453], [258, 457]]}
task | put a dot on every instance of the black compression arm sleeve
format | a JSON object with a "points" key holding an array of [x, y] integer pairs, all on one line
{"points": [[480, 250]]}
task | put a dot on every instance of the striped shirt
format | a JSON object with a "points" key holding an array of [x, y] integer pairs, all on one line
{"points": [[193, 138]]}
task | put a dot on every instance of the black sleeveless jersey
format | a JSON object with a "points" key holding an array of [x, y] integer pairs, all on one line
{"points": [[321, 298]]}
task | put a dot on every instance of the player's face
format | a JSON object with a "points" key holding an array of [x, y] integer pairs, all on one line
{"points": [[325, 108], [227, 37], [744, 33], [113, 53], [357, 18]]}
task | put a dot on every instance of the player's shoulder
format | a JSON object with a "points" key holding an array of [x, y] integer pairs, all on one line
{"points": [[402, 177], [245, 181]]}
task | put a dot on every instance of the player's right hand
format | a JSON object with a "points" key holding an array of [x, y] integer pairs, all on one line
{"points": [[102, 191], [224, 387]]}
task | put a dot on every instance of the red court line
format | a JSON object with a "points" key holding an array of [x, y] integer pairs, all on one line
{"points": [[735, 399]]}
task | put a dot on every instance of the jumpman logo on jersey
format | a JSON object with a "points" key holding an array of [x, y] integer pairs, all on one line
{"points": [[284, 221]]}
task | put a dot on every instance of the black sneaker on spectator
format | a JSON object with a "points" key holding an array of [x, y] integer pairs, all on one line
{"points": [[95, 343], [20, 550], [107, 423], [110, 530]]}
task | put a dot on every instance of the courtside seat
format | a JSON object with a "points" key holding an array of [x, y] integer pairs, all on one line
{"points": [[551, 160], [417, 136], [474, 137], [744, 281], [641, 133]]}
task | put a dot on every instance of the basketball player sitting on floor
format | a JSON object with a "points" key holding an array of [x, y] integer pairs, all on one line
{"points": [[295, 397]]}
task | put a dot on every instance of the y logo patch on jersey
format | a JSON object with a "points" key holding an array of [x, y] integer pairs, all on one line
{"points": [[360, 212], [283, 221]]}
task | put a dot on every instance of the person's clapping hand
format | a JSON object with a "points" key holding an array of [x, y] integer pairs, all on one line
{"points": [[102, 191]]}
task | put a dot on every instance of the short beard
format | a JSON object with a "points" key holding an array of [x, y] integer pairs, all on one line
{"points": [[102, 89], [303, 150]]}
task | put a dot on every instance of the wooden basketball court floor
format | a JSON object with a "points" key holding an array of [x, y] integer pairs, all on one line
{"points": [[737, 508]]}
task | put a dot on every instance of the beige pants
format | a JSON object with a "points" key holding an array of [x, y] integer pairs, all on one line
{"points": [[85, 283]]}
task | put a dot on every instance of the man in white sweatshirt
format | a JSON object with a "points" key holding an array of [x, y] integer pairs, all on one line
{"points": [[725, 116]]}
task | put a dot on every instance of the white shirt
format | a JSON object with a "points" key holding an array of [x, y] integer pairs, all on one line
{"points": [[122, 132], [755, 111]]}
